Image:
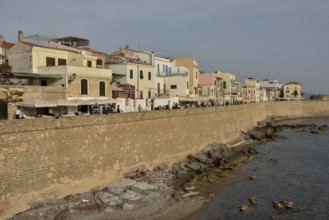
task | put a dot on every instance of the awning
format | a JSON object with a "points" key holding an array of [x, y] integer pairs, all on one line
{"points": [[31, 75], [105, 101], [36, 103], [95, 101], [62, 102], [194, 99]]}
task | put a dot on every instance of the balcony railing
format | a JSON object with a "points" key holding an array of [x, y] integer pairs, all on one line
{"points": [[181, 73]]}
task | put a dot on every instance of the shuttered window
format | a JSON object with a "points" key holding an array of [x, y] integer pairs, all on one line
{"points": [[61, 62], [101, 88], [50, 61], [84, 87]]}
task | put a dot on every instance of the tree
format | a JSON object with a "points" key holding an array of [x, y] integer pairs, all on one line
{"points": [[5, 67]]}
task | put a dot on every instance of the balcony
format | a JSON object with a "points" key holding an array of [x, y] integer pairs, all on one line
{"points": [[79, 70], [181, 73]]}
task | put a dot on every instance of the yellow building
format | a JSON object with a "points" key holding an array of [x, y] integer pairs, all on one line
{"points": [[292, 90], [193, 67], [211, 87], [135, 68], [80, 70], [229, 88], [141, 75]]}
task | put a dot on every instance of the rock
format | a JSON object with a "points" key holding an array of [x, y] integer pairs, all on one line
{"points": [[189, 194], [43, 201], [252, 177], [201, 157], [116, 190], [283, 205], [252, 150], [175, 167], [189, 188], [315, 132], [141, 186], [253, 200], [256, 136], [323, 127], [243, 208], [130, 195], [153, 194], [108, 198], [161, 167], [205, 179], [269, 133], [127, 206], [194, 166], [135, 189], [108, 209], [140, 173], [221, 174], [177, 195]]}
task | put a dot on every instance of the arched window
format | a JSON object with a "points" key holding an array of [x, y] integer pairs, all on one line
{"points": [[102, 88], [84, 87]]}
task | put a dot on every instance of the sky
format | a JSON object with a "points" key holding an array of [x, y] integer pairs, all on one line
{"points": [[287, 40]]}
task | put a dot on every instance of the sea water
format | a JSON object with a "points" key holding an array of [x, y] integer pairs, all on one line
{"points": [[294, 168]]}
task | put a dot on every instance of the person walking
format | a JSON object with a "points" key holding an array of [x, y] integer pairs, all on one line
{"points": [[118, 109]]}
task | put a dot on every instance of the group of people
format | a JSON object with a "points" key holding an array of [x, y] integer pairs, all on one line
{"points": [[111, 109]]}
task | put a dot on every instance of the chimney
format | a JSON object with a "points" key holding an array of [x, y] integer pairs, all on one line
{"points": [[1, 41], [20, 36]]}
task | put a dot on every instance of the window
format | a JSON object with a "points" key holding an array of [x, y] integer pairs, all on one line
{"points": [[149, 94], [89, 63], [61, 62], [99, 62], [173, 86], [84, 87], [186, 85], [158, 69], [101, 88], [141, 74], [141, 94], [50, 61], [164, 88], [158, 89], [224, 84], [131, 74], [43, 83], [149, 75]]}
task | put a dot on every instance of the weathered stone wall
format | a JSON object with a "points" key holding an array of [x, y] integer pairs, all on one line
{"points": [[69, 155]]}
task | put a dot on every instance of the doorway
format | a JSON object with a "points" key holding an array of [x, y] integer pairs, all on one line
{"points": [[3, 110]]}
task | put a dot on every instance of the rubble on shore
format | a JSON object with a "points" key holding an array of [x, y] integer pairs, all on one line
{"points": [[145, 194]]}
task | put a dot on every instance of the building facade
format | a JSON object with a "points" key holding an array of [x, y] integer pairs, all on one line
{"points": [[292, 90], [77, 69], [193, 68]]}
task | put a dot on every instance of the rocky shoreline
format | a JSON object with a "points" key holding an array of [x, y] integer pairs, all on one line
{"points": [[157, 193]]}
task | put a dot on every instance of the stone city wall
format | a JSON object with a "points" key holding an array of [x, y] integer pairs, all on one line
{"points": [[69, 155]]}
